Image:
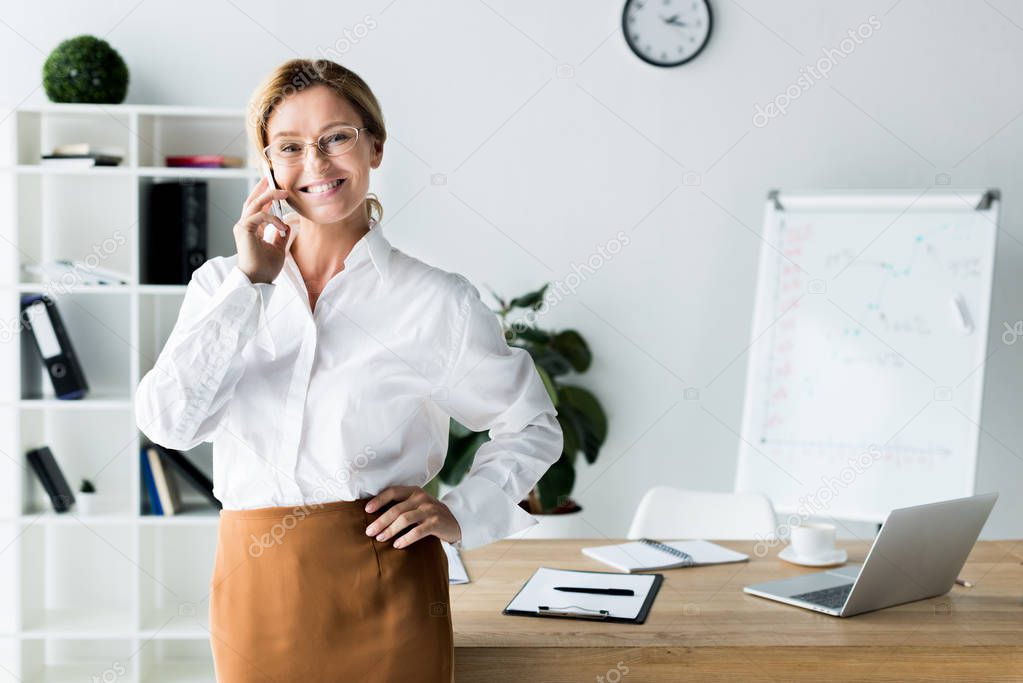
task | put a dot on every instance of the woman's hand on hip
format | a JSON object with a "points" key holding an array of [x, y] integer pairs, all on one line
{"points": [[412, 505]]}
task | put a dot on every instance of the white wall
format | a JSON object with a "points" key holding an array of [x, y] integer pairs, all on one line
{"points": [[543, 166]]}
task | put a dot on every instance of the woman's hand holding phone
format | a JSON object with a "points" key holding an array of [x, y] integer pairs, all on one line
{"points": [[260, 260]]}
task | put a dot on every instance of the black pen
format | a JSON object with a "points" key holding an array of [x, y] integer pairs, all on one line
{"points": [[597, 591]]}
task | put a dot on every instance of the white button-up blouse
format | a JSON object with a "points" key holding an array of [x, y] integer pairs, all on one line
{"points": [[307, 406]]}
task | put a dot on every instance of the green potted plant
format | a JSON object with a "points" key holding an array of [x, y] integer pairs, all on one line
{"points": [[85, 501], [556, 356], [85, 69]]}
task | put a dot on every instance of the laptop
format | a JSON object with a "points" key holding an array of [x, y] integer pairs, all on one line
{"points": [[917, 554]]}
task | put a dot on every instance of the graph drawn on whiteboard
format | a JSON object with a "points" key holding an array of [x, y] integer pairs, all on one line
{"points": [[865, 371]]}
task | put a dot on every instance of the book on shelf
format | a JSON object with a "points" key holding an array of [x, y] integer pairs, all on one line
{"points": [[166, 485], [79, 160], [149, 483], [204, 161], [162, 468], [40, 316], [59, 269], [86, 148], [191, 474], [174, 233], [52, 478], [83, 154]]}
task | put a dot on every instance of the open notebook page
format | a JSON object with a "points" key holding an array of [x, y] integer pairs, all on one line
{"points": [[637, 556]]}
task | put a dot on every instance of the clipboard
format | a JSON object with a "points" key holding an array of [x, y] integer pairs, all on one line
{"points": [[558, 610]]}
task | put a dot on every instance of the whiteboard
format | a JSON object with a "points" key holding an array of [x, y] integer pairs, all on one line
{"points": [[866, 360]]}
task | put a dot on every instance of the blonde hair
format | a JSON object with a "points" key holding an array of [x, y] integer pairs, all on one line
{"points": [[296, 75]]}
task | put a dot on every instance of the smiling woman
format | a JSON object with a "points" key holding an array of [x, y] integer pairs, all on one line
{"points": [[325, 365], [327, 89]]}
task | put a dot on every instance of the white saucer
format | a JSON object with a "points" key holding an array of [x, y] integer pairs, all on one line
{"points": [[826, 560]]}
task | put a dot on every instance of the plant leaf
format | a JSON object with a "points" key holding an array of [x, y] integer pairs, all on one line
{"points": [[531, 300], [531, 334], [585, 410], [548, 384], [461, 453], [570, 435], [458, 430], [433, 487], [551, 361], [572, 346], [556, 483]]}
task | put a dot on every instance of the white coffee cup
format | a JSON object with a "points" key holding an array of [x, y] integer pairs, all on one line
{"points": [[812, 540]]}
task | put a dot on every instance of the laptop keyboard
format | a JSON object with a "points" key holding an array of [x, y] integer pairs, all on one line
{"points": [[832, 598]]}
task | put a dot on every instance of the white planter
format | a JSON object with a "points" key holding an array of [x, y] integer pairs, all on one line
{"points": [[86, 503]]}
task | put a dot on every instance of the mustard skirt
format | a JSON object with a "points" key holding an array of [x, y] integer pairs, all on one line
{"points": [[303, 594]]}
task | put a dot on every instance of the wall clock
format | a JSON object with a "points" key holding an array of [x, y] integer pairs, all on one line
{"points": [[666, 32]]}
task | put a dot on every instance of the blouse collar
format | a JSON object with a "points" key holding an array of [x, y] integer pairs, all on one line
{"points": [[373, 244]]}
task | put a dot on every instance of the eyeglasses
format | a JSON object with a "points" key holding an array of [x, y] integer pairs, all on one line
{"points": [[333, 143]]}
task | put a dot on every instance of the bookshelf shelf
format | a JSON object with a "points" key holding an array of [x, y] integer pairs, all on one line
{"points": [[73, 673], [142, 172], [49, 287], [176, 660], [172, 290], [72, 288], [193, 518], [64, 660], [51, 518], [79, 623], [166, 172], [205, 516], [117, 594], [177, 627], [98, 171], [106, 110], [90, 402]]}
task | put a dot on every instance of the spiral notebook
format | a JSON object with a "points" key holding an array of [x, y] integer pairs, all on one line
{"points": [[646, 554]]}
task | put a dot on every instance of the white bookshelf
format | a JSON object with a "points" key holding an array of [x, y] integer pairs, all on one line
{"points": [[114, 595]]}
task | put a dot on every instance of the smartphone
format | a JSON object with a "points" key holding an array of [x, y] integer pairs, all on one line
{"points": [[277, 206]]}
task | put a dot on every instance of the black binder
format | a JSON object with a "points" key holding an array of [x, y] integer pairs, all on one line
{"points": [[639, 619], [52, 478], [42, 318], [175, 232]]}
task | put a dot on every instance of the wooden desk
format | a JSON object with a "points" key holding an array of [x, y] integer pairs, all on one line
{"points": [[702, 627]]}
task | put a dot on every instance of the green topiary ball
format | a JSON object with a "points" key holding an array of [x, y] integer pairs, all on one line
{"points": [[85, 69]]}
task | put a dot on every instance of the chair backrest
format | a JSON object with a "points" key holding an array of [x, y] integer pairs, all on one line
{"points": [[670, 513]]}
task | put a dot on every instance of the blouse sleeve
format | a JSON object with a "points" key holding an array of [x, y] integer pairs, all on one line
{"points": [[181, 401], [492, 386]]}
